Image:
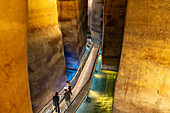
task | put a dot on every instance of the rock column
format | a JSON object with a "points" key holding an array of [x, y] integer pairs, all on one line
{"points": [[143, 83], [96, 25], [73, 23], [114, 17], [46, 62], [14, 83]]}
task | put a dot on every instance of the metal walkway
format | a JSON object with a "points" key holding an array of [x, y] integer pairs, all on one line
{"points": [[83, 79], [82, 84]]}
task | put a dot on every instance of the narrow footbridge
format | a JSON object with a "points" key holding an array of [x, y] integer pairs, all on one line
{"points": [[80, 83]]}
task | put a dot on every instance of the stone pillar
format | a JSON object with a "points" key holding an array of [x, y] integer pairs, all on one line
{"points": [[96, 26], [89, 15], [73, 23], [45, 52], [143, 83], [114, 17], [14, 85]]}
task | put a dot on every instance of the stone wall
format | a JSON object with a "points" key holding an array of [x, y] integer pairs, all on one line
{"points": [[73, 23], [143, 83], [46, 63], [89, 15], [114, 17], [96, 26], [14, 87]]}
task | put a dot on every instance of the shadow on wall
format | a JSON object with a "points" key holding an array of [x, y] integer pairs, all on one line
{"points": [[114, 20]]}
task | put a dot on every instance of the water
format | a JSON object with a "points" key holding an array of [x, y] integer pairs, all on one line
{"points": [[101, 92]]}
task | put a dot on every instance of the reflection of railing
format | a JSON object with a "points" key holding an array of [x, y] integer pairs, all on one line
{"points": [[48, 107]]}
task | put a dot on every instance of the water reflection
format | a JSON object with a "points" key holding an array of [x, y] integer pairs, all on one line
{"points": [[100, 96]]}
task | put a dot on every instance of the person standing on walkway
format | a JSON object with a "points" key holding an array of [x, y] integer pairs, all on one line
{"points": [[67, 96], [69, 86], [56, 102]]}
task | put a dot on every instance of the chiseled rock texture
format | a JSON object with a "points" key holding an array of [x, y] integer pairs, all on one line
{"points": [[114, 17], [14, 84], [46, 63], [143, 83], [96, 26], [89, 15], [73, 23]]}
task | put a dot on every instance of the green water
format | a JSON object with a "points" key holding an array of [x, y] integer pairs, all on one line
{"points": [[101, 92]]}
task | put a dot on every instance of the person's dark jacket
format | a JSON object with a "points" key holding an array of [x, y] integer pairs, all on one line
{"points": [[70, 90], [55, 100], [67, 96]]}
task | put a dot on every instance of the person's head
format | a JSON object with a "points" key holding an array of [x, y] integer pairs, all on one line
{"points": [[65, 90], [56, 93], [67, 82]]}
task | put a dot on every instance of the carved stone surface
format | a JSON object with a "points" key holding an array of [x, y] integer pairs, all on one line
{"points": [[14, 86], [143, 83], [73, 23], [96, 26], [89, 15], [114, 16], [46, 63]]}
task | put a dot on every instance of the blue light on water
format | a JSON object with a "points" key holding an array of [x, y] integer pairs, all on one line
{"points": [[101, 50]]}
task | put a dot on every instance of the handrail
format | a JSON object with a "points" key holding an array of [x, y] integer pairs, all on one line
{"points": [[82, 63], [73, 81], [90, 78]]}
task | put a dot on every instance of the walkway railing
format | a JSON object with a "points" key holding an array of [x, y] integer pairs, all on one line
{"points": [[84, 90], [48, 107], [82, 63]]}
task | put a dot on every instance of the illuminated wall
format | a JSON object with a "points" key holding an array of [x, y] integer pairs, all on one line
{"points": [[46, 63], [143, 83], [114, 17], [14, 87], [73, 23]]}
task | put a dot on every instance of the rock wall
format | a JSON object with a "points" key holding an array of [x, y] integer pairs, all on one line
{"points": [[14, 87], [46, 64], [114, 17], [96, 26], [73, 23], [143, 83]]}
